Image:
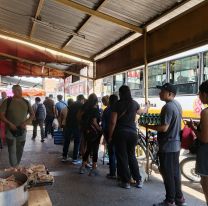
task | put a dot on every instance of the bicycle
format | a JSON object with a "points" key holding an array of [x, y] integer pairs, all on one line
{"points": [[187, 165], [153, 147]]}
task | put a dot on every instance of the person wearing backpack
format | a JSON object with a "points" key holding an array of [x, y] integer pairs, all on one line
{"points": [[40, 115], [14, 112]]}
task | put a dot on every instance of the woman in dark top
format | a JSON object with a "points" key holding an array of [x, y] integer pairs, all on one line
{"points": [[123, 133], [91, 131], [105, 125], [202, 135]]}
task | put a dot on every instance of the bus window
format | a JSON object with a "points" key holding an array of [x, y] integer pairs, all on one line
{"points": [[156, 76], [184, 74], [135, 82], [205, 66]]}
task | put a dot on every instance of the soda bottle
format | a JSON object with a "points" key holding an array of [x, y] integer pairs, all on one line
{"points": [[145, 119], [154, 119], [141, 119], [158, 120], [150, 119]]}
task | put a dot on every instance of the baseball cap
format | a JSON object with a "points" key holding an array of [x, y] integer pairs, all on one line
{"points": [[168, 87]]}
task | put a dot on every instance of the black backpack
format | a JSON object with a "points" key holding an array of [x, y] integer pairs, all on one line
{"points": [[40, 112]]}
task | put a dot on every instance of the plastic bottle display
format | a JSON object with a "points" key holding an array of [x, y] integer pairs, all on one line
{"points": [[149, 119]]}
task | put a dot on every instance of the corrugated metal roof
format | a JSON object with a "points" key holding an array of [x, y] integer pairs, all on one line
{"points": [[15, 15], [98, 35], [47, 34], [59, 14], [89, 3], [136, 12], [62, 23]]}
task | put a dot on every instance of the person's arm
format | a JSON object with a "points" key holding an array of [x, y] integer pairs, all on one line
{"points": [[113, 120], [5, 120], [158, 128], [44, 111], [143, 110], [62, 117], [55, 110], [103, 124], [97, 126], [201, 134], [34, 108], [3, 117], [166, 117], [30, 118]]}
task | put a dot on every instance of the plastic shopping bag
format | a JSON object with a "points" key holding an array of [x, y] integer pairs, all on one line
{"points": [[55, 124]]}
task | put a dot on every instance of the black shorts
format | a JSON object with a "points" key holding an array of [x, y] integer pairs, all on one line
{"points": [[201, 160]]}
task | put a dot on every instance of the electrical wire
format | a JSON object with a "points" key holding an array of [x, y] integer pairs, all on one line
{"points": [[16, 13]]}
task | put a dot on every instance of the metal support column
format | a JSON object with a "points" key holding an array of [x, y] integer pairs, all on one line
{"points": [[64, 89], [94, 75], [88, 81], [146, 95]]}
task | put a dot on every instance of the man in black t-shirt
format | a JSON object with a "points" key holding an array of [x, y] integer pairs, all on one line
{"points": [[71, 129], [169, 146]]}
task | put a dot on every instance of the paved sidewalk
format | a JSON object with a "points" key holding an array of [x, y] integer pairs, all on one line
{"points": [[73, 189]]}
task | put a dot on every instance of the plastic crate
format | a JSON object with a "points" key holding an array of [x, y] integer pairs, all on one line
{"points": [[58, 137]]}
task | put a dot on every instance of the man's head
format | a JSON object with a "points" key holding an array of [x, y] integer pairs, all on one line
{"points": [[37, 99], [70, 101], [81, 98], [17, 90], [168, 92], [50, 96], [59, 97], [203, 92], [3, 95], [113, 99], [105, 100]]}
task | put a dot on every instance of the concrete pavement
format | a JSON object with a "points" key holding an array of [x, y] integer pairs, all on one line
{"points": [[73, 189]]}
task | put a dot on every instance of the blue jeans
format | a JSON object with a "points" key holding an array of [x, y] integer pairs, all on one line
{"points": [[35, 125], [112, 158], [48, 125], [70, 133]]}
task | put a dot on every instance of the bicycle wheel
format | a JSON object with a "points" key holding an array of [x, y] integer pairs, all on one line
{"points": [[187, 167]]}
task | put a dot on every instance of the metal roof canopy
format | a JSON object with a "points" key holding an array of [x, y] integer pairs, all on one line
{"points": [[182, 33], [27, 60], [80, 28]]}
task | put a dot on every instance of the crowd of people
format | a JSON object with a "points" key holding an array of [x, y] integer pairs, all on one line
{"points": [[84, 122]]}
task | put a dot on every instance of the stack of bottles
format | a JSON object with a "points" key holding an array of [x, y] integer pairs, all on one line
{"points": [[149, 119]]}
